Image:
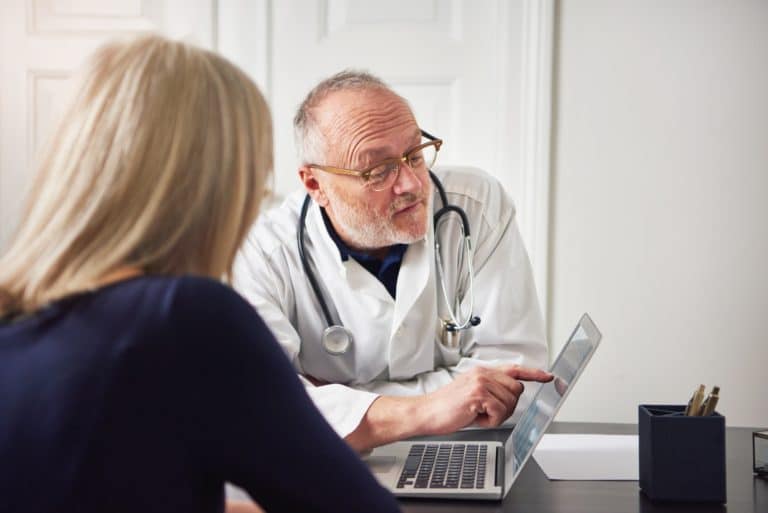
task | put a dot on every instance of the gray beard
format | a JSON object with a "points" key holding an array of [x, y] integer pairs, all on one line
{"points": [[366, 234]]}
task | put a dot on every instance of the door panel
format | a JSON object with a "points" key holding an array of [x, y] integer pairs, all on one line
{"points": [[42, 44], [448, 58]]}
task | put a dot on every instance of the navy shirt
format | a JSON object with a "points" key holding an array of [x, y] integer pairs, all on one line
{"points": [[386, 270], [147, 395]]}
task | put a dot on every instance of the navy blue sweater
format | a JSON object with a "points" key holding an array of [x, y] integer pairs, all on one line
{"points": [[148, 394]]}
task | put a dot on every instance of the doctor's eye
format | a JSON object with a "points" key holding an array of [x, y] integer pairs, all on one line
{"points": [[423, 156], [416, 159], [382, 173]]}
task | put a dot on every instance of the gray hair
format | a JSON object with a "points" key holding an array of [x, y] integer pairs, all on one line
{"points": [[310, 141]]}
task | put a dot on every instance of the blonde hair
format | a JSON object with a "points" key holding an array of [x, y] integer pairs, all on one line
{"points": [[159, 163]]}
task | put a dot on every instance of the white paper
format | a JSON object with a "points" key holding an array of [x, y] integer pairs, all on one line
{"points": [[588, 457]]}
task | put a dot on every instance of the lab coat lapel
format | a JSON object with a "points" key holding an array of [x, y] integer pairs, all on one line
{"points": [[411, 281], [327, 257], [411, 350]]}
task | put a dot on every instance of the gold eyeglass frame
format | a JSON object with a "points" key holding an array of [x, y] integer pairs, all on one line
{"points": [[365, 174]]}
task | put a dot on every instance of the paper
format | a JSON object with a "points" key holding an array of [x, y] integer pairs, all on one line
{"points": [[588, 457]]}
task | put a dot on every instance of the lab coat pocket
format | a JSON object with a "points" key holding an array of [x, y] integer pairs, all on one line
{"points": [[446, 356]]}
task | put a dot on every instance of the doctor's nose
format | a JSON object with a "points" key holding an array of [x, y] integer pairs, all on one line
{"points": [[408, 180]]}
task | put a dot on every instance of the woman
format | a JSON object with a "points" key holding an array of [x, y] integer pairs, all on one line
{"points": [[131, 378]]}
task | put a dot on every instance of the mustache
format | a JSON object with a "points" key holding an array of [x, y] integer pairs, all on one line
{"points": [[406, 200]]}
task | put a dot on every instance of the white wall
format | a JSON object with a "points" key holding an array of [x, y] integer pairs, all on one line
{"points": [[659, 206]]}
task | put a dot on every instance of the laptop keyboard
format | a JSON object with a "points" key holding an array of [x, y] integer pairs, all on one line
{"points": [[444, 466]]}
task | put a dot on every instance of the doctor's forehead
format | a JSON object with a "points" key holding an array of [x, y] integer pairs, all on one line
{"points": [[366, 120], [373, 150]]}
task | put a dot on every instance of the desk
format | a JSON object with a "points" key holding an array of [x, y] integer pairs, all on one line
{"points": [[534, 493]]}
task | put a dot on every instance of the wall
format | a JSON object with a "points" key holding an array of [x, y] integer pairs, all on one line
{"points": [[659, 218]]}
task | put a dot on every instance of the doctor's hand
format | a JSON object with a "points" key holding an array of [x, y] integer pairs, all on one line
{"points": [[485, 396]]}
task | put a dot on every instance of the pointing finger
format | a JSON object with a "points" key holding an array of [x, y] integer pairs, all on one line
{"points": [[528, 374]]}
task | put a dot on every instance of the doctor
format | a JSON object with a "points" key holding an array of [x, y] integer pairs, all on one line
{"points": [[426, 340]]}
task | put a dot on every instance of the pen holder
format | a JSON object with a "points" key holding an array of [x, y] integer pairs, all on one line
{"points": [[681, 458]]}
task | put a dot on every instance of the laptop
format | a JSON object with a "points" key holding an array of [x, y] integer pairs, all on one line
{"points": [[484, 470]]}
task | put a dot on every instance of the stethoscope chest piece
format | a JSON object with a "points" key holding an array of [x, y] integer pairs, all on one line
{"points": [[337, 339], [450, 333]]}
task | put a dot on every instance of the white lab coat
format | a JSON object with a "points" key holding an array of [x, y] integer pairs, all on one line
{"points": [[396, 349]]}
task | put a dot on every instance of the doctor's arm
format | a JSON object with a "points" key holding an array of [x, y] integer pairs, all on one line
{"points": [[484, 396], [233, 506]]}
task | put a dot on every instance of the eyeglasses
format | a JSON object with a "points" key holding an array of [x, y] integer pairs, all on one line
{"points": [[383, 175]]}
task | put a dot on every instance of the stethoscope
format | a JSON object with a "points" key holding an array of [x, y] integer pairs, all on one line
{"points": [[338, 339]]}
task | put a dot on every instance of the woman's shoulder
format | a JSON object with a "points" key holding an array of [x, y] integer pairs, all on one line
{"points": [[191, 314], [187, 301], [193, 288], [187, 294]]}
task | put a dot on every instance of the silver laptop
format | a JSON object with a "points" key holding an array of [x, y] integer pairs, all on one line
{"points": [[484, 470]]}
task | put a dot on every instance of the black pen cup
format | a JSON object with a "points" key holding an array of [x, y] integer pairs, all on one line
{"points": [[681, 458]]}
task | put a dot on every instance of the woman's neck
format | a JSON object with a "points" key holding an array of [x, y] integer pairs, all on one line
{"points": [[119, 274]]}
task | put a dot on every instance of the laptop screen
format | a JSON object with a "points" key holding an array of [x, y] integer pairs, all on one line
{"points": [[550, 396]]}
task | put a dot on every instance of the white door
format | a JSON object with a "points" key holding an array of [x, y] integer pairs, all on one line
{"points": [[451, 59], [42, 43]]}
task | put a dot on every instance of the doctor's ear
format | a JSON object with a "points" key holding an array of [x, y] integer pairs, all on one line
{"points": [[312, 185]]}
